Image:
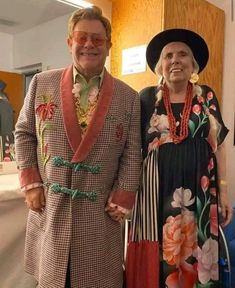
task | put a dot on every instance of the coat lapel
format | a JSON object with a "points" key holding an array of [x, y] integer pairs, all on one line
{"points": [[72, 128], [97, 121]]}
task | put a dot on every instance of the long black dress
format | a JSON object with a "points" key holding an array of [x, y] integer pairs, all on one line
{"points": [[179, 195]]}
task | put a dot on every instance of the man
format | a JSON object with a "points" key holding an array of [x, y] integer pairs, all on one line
{"points": [[78, 152]]}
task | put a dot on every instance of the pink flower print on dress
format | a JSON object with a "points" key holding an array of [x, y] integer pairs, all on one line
{"points": [[200, 99], [211, 164], [204, 183], [208, 261], [210, 95], [184, 277], [179, 238], [196, 109]]}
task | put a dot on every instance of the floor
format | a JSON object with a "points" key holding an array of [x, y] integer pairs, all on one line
{"points": [[13, 215]]}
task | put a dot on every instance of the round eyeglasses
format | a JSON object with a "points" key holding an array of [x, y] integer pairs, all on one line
{"points": [[81, 38]]}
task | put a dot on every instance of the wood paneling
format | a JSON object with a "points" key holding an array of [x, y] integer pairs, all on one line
{"points": [[14, 90], [134, 23]]}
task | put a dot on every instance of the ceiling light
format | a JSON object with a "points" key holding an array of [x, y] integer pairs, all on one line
{"points": [[76, 3]]}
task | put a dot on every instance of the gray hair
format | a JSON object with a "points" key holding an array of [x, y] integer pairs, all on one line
{"points": [[158, 66]]}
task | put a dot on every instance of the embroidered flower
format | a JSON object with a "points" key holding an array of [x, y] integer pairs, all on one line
{"points": [[182, 198], [119, 132], [45, 111]]}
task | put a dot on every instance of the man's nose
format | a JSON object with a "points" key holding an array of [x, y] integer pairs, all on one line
{"points": [[89, 42]]}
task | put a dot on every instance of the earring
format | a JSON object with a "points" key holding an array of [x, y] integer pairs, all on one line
{"points": [[194, 78]]}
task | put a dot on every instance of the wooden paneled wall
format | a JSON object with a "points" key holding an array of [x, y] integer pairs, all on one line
{"points": [[136, 22], [14, 90]]}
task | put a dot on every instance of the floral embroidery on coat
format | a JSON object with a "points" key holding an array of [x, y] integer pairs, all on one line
{"points": [[45, 112]]}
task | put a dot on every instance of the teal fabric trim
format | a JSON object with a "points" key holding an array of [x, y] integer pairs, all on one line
{"points": [[75, 193], [58, 161]]}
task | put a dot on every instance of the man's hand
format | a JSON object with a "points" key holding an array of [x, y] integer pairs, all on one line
{"points": [[35, 199]]}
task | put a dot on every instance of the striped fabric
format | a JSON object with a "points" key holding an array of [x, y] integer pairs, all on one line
{"points": [[145, 223]]}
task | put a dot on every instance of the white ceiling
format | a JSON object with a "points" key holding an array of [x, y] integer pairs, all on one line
{"points": [[19, 15]]}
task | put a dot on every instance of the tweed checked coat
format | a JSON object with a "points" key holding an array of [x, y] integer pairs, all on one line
{"points": [[79, 175]]}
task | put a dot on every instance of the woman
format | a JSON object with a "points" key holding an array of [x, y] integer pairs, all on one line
{"points": [[184, 171]]}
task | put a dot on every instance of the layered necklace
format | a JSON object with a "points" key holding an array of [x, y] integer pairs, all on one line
{"points": [[183, 131]]}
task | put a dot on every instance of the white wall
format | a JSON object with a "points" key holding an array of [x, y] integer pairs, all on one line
{"points": [[46, 43], [228, 105], [6, 47]]}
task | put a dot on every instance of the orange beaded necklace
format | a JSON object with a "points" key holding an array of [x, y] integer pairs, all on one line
{"points": [[183, 133]]}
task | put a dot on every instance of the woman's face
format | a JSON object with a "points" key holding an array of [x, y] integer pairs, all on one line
{"points": [[177, 62]]}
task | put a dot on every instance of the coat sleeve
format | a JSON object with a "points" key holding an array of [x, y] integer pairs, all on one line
{"points": [[26, 139], [127, 183]]}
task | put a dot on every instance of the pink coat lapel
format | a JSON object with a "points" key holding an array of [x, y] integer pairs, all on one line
{"points": [[72, 127], [81, 147]]}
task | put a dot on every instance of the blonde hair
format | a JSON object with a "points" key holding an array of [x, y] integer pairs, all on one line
{"points": [[90, 13]]}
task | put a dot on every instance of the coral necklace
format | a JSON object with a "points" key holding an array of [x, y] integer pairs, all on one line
{"points": [[183, 133]]}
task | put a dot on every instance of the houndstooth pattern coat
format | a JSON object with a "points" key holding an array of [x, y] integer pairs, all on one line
{"points": [[77, 228]]}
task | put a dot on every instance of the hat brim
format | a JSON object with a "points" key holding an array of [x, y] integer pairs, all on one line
{"points": [[195, 42]]}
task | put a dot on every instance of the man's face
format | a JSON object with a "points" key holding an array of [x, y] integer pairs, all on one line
{"points": [[89, 47]]}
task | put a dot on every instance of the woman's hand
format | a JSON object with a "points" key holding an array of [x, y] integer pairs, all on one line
{"points": [[35, 199], [114, 212], [226, 209]]}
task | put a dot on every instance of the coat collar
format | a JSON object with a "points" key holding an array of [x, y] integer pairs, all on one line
{"points": [[82, 147]]}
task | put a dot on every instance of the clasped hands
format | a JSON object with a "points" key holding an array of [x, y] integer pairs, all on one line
{"points": [[35, 201]]}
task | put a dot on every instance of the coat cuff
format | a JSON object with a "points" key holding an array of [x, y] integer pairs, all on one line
{"points": [[123, 198], [29, 176]]}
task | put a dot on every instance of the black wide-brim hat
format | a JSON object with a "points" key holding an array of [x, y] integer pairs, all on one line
{"points": [[195, 42]]}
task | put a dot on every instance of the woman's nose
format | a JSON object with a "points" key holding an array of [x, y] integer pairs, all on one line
{"points": [[175, 59]]}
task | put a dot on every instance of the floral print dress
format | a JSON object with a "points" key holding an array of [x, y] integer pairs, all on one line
{"points": [[186, 187]]}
